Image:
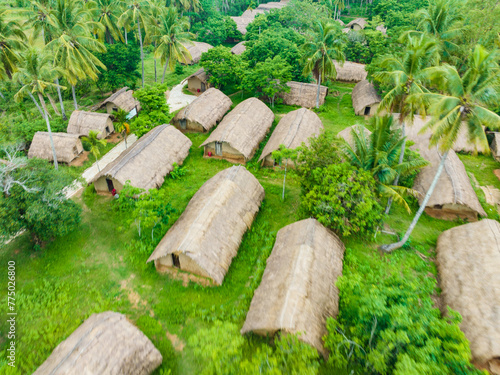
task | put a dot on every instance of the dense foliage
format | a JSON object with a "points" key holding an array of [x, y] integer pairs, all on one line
{"points": [[121, 62], [155, 109]]}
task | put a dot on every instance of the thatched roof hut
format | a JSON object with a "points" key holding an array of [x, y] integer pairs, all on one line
{"points": [[340, 22], [239, 48], [304, 94], [297, 292], [81, 123], [294, 128], [195, 50], [146, 163], [346, 134], [365, 99], [350, 72], [382, 29], [206, 237], [238, 135], [123, 99], [106, 343], [357, 24], [468, 259], [68, 147], [204, 112], [198, 81], [495, 145], [242, 23]]}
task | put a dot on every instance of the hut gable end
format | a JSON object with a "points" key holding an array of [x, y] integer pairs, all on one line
{"points": [[364, 97], [82, 123], [123, 99]]}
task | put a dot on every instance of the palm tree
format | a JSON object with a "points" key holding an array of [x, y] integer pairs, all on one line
{"points": [[11, 41], [320, 51], [41, 20], [121, 123], [404, 74], [171, 36], [35, 75], [463, 102], [137, 12], [378, 153], [95, 145], [107, 14]]}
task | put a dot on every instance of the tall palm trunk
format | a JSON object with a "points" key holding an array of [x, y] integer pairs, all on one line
{"points": [[154, 58], [74, 97], [335, 12], [164, 71], [319, 86], [48, 127], [63, 112], [401, 157], [397, 245], [142, 50], [126, 40]]}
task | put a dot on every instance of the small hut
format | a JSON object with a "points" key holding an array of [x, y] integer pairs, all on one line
{"points": [[382, 29], [238, 135], [357, 24], [198, 81], [242, 23], [365, 99], [239, 48], [106, 343], [297, 292], [67, 146], [346, 134], [146, 163], [81, 123], [123, 99], [204, 112], [195, 50], [294, 128], [304, 94], [468, 260], [207, 235], [495, 145], [350, 72]]}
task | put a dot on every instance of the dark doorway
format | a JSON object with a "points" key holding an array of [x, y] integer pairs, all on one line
{"points": [[107, 129], [367, 111], [218, 148], [183, 123], [110, 184], [175, 261], [203, 88]]}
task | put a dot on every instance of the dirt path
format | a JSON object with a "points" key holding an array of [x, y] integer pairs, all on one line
{"points": [[177, 99]]}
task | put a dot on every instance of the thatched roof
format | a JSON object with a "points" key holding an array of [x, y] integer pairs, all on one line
{"points": [[200, 74], [297, 292], [294, 128], [82, 123], [207, 109], [196, 49], [64, 144], [210, 229], [346, 30], [242, 23], [495, 145], [304, 94], [350, 72], [106, 343], [468, 258], [340, 21], [250, 14], [364, 95], [272, 5], [346, 134], [382, 29], [361, 22], [239, 48], [244, 127], [123, 99], [150, 159]]}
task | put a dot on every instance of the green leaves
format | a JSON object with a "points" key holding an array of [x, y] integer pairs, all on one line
{"points": [[222, 67]]}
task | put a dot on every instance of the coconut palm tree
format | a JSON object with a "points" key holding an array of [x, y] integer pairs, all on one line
{"points": [[36, 74], [95, 145], [12, 40], [171, 35], [137, 12], [462, 102], [121, 124], [404, 75], [41, 20], [320, 51], [107, 14]]}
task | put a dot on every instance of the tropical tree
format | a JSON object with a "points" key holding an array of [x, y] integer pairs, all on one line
{"points": [[462, 102], [320, 53], [121, 124], [136, 12], [35, 75], [107, 13], [11, 41], [404, 76], [95, 145], [41, 20]]}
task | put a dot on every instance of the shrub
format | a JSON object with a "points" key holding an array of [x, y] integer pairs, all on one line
{"points": [[154, 112]]}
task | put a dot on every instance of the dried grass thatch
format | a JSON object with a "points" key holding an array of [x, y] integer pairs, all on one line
{"points": [[204, 112], [146, 163], [272, 5], [206, 237], [105, 344], [357, 24], [350, 72], [365, 98], [304, 94], [294, 128], [346, 134], [297, 292], [195, 50], [123, 99], [68, 147], [242, 23], [382, 29], [239, 48], [468, 259], [82, 123], [340, 22], [495, 145], [242, 130]]}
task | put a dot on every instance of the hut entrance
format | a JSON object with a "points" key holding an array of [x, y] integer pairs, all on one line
{"points": [[110, 184], [175, 261], [75, 151], [107, 129], [203, 88], [218, 148], [183, 123], [367, 111]]}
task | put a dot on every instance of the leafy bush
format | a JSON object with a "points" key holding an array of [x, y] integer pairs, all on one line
{"points": [[24, 130], [177, 172], [154, 112], [343, 198], [223, 68], [216, 30], [121, 61]]}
